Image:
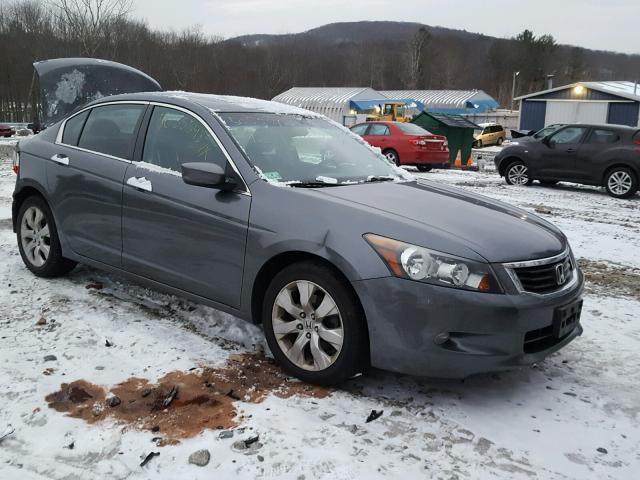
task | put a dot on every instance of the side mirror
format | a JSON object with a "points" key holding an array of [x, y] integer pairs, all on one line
{"points": [[208, 175], [546, 141]]}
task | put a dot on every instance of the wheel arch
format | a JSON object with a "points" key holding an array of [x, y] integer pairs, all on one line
{"points": [[27, 190], [276, 264], [508, 161], [618, 164]]}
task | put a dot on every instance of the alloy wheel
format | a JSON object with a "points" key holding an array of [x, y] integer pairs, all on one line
{"points": [[35, 236], [307, 325], [620, 182], [518, 174]]}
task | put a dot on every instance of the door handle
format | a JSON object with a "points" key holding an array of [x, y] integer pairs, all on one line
{"points": [[141, 183], [571, 150], [60, 159]]}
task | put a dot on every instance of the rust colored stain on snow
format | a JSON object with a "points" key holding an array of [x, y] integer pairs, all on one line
{"points": [[203, 399]]}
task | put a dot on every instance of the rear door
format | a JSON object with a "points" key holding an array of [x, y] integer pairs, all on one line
{"points": [[556, 159], [592, 155], [188, 237], [92, 152]]}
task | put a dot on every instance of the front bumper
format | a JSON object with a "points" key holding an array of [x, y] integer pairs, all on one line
{"points": [[487, 331]]}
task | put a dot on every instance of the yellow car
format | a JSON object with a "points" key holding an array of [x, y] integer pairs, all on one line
{"points": [[489, 134]]}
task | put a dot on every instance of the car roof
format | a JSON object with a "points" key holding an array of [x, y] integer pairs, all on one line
{"points": [[215, 103], [488, 124], [609, 126]]}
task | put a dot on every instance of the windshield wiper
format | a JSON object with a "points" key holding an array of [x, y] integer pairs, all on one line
{"points": [[313, 184], [379, 178]]}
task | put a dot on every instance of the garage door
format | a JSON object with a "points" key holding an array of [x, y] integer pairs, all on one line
{"points": [[576, 112]]}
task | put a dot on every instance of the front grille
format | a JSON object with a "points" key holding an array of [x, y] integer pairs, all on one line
{"points": [[545, 278]]}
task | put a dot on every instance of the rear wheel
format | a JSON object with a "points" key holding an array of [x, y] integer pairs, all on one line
{"points": [[517, 173], [392, 156], [314, 324], [424, 168], [500, 140], [621, 182], [38, 240]]}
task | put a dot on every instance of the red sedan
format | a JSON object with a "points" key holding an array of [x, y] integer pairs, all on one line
{"points": [[6, 130], [405, 143]]}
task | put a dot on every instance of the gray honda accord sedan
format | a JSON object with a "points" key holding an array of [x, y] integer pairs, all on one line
{"points": [[283, 218]]}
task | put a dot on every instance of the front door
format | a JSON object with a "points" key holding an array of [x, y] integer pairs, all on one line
{"points": [[557, 155], [188, 237], [85, 177]]}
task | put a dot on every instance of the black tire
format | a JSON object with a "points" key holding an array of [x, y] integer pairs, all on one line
{"points": [[55, 265], [509, 173], [424, 168], [353, 357], [617, 191], [500, 140], [392, 155], [548, 183]]}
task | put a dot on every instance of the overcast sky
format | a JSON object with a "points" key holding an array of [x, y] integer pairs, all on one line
{"points": [[598, 24]]}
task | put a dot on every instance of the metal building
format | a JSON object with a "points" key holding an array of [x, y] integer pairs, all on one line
{"points": [[337, 103], [582, 102], [447, 101]]}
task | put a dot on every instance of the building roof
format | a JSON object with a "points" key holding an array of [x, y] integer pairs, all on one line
{"points": [[447, 100], [624, 89], [338, 96]]}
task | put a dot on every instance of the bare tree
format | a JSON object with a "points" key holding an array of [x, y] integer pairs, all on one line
{"points": [[418, 45], [89, 21]]}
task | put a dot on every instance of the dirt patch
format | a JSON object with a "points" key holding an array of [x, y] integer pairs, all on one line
{"points": [[182, 404], [611, 279]]}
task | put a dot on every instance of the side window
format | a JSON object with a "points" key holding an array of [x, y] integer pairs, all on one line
{"points": [[499, 128], [112, 129], [73, 128], [568, 135], [359, 129], [378, 129], [175, 137], [602, 137]]}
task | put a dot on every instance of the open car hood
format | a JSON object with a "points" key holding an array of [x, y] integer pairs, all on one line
{"points": [[68, 83]]}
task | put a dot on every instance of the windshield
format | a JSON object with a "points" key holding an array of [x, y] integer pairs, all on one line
{"points": [[293, 148], [477, 131], [412, 129]]}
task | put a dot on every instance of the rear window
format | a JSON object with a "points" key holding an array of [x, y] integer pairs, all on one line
{"points": [[412, 129], [602, 137], [73, 128], [112, 130]]}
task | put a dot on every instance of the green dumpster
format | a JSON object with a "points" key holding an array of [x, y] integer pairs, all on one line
{"points": [[457, 129]]}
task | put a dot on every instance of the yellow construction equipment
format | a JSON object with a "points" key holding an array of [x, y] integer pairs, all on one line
{"points": [[390, 112]]}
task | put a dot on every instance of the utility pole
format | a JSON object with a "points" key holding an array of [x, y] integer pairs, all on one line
{"points": [[513, 90]]}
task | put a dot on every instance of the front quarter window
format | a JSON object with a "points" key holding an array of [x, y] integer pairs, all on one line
{"points": [[290, 149]]}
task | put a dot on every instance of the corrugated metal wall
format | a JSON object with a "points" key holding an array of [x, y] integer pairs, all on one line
{"points": [[624, 113], [576, 112], [532, 115]]}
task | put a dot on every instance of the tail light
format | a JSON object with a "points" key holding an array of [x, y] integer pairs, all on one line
{"points": [[15, 166]]}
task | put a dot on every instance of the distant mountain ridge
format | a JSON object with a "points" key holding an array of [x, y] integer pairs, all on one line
{"points": [[355, 32]]}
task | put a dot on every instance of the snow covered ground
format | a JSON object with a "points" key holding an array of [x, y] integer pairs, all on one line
{"points": [[575, 416]]}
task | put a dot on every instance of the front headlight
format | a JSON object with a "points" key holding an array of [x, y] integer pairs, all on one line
{"points": [[421, 264]]}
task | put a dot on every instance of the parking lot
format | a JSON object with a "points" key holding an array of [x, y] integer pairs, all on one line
{"points": [[574, 416]]}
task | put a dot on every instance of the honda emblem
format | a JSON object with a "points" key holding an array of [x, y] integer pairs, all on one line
{"points": [[561, 275]]}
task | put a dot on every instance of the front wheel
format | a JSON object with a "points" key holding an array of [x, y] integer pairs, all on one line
{"points": [[517, 173], [314, 324], [621, 182], [38, 240], [424, 168]]}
